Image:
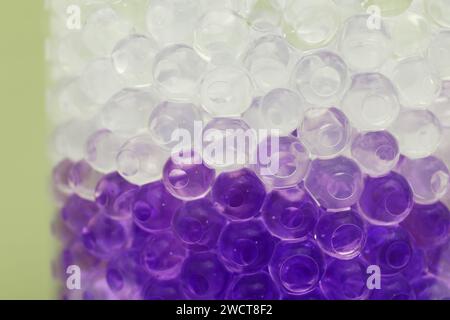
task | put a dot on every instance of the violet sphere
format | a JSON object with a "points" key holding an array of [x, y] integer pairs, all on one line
{"points": [[256, 286], [77, 212], [393, 288], [163, 290]]}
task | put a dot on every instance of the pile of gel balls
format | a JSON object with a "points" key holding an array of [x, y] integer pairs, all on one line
{"points": [[251, 149]]}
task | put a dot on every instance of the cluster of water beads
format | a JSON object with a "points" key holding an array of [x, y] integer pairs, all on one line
{"points": [[351, 175]]}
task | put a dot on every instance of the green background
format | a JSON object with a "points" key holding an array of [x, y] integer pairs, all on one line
{"points": [[26, 244]]}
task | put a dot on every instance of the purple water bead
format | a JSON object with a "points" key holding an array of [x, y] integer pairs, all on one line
{"points": [[83, 180], [163, 290], [204, 277], [376, 152], [154, 207], [240, 193], [386, 200], [345, 280], [336, 183], [125, 270], [390, 248], [290, 213], [186, 177], [429, 287], [341, 235], [297, 267], [77, 212], [256, 286], [439, 261], [246, 246], [60, 176], [393, 288], [76, 254], [198, 224], [316, 294], [163, 255]]}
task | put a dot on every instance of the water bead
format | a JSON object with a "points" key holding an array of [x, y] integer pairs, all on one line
{"points": [[388, 7], [428, 178], [386, 200], [439, 54], [321, 77], [204, 277], [226, 91], [60, 176], [341, 234], [438, 11], [102, 148], [393, 288], [290, 213], [439, 261], [163, 290], [198, 224], [325, 132], [441, 106], [76, 254], [140, 160], [297, 267], [257, 286], [336, 183], [316, 294], [73, 102], [377, 152], [239, 193], [429, 287], [77, 213], [83, 180], [125, 271], [265, 16], [418, 133], [371, 103]]}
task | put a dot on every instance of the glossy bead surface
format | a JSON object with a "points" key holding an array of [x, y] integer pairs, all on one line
{"points": [[257, 286]]}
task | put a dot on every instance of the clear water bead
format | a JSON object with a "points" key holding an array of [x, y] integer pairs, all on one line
{"points": [[265, 15], [388, 7], [102, 148], [439, 12], [439, 54], [441, 106]]}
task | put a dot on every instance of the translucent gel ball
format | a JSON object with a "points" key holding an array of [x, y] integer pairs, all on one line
{"points": [[418, 133], [386, 200], [265, 15], [226, 91], [371, 103], [335, 183], [133, 59], [429, 287], [325, 132], [77, 212], [297, 267], [440, 260], [416, 81], [394, 288], [177, 71], [83, 180], [441, 106], [290, 213], [364, 48], [376, 152], [256, 286], [102, 148], [428, 178], [389, 8], [125, 271], [321, 77], [72, 101], [157, 290], [60, 176], [439, 54], [439, 12]]}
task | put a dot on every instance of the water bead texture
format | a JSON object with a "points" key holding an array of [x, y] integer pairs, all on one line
{"points": [[60, 177], [388, 8], [310, 24], [418, 133], [290, 213], [256, 286], [325, 132], [364, 48], [72, 101], [439, 54], [428, 178], [386, 200], [441, 106], [102, 148], [186, 177], [341, 234], [439, 261], [371, 103], [83, 180], [345, 280], [204, 277], [125, 271], [438, 11], [336, 183], [394, 288], [297, 267], [321, 77], [177, 71], [198, 224], [140, 160], [377, 152], [226, 91], [429, 287], [239, 193], [265, 16], [163, 290], [77, 212]]}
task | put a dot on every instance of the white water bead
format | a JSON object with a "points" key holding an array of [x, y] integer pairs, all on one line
{"points": [[226, 91], [73, 101], [133, 58], [439, 54], [371, 103], [265, 16], [441, 106], [321, 77], [71, 54], [438, 11], [140, 160], [418, 133], [128, 111], [177, 72], [416, 82]]}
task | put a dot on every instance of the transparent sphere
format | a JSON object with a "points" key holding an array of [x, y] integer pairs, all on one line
{"points": [[220, 35], [376, 152], [310, 24], [133, 59], [177, 71], [439, 54], [103, 29], [170, 121], [72, 101], [441, 106], [226, 91], [418, 133], [83, 180], [128, 111], [267, 60], [140, 161], [321, 77], [439, 12], [416, 81], [371, 103], [256, 286], [394, 288], [363, 46], [265, 15], [102, 148], [389, 7], [71, 54], [428, 178], [325, 132]]}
